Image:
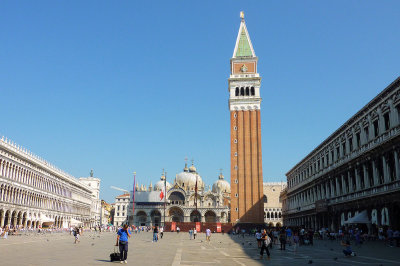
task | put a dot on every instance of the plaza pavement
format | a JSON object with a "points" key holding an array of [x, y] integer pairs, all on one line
{"points": [[176, 249]]}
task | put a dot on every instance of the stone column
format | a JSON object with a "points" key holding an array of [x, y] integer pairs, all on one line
{"points": [[375, 172], [344, 190], [350, 182], [366, 177], [203, 218], [386, 176], [2, 220], [332, 188], [358, 181], [396, 164], [25, 223], [337, 186]]}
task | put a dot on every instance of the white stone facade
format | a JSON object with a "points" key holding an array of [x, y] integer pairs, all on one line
{"points": [[33, 192], [272, 203], [121, 209], [93, 184]]}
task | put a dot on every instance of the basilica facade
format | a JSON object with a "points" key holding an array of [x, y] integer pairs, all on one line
{"points": [[182, 203]]}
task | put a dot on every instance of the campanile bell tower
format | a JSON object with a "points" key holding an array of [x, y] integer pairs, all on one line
{"points": [[244, 105]]}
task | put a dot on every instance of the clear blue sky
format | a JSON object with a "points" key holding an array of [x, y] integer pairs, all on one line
{"points": [[123, 86]]}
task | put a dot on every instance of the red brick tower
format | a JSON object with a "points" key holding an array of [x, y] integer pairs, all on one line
{"points": [[244, 106]]}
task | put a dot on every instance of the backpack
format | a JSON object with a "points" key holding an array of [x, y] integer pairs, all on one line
{"points": [[267, 241]]}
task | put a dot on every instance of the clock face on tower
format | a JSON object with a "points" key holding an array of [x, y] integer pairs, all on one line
{"points": [[243, 68]]}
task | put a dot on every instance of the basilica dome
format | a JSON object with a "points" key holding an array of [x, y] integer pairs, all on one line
{"points": [[221, 185], [187, 179], [160, 184]]}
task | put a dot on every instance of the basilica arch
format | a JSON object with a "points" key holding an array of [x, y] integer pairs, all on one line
{"points": [[176, 214], [195, 216], [155, 216], [141, 218], [210, 217]]}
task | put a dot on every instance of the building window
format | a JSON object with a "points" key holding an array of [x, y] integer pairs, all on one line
{"points": [[236, 209], [118, 208], [351, 144], [358, 139], [237, 91], [236, 181], [344, 148], [247, 91], [123, 214], [235, 141], [235, 128], [265, 199], [117, 213], [241, 91], [235, 153], [387, 121], [366, 133], [253, 92], [235, 115], [376, 128], [236, 195], [337, 153], [123, 208], [236, 167]]}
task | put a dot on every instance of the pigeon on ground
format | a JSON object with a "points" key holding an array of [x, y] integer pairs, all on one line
{"points": [[331, 249], [92, 244], [48, 240], [310, 262], [334, 258]]}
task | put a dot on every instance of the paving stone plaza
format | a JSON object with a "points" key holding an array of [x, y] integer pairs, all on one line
{"points": [[177, 249]]}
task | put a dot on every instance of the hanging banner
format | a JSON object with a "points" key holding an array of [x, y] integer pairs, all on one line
{"points": [[218, 227], [198, 227], [173, 226]]}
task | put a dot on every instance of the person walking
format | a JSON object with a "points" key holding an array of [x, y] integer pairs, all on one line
{"points": [[208, 235], [258, 237], [178, 230], [296, 241], [190, 234], [155, 233], [282, 239], [122, 241], [194, 233], [266, 241], [76, 235], [161, 231]]}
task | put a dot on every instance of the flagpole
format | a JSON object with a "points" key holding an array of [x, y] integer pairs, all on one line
{"points": [[165, 196], [133, 198]]}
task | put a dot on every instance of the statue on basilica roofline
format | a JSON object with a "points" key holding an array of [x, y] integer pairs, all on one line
{"points": [[91, 173]]}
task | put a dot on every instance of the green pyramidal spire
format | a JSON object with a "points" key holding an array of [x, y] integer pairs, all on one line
{"points": [[244, 45]]}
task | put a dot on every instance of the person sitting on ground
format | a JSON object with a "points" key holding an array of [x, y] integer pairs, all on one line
{"points": [[347, 251]]}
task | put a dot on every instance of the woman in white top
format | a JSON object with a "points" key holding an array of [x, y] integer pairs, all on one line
{"points": [[258, 237]]}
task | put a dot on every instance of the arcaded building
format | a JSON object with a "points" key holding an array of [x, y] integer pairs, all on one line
{"points": [[354, 172], [35, 193]]}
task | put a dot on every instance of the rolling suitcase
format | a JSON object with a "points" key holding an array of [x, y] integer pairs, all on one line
{"points": [[114, 256]]}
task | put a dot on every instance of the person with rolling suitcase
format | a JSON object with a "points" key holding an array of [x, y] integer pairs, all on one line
{"points": [[122, 241]]}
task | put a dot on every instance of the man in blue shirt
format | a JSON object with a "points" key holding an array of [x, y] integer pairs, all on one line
{"points": [[122, 242]]}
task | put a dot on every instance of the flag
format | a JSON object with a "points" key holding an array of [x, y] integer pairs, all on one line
{"points": [[162, 194]]}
